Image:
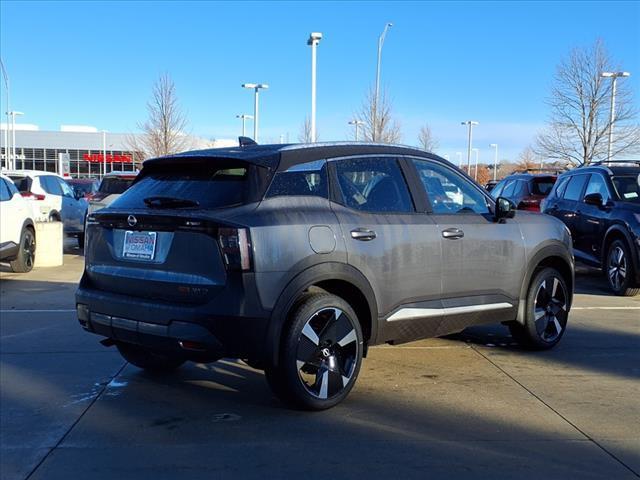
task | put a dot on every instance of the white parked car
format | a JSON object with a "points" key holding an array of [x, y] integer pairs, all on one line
{"points": [[17, 229], [52, 199]]}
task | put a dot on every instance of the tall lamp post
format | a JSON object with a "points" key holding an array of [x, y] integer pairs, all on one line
{"points": [[13, 114], [614, 79], [313, 41], [459, 154], [356, 123], [256, 88], [377, 93], [475, 173], [495, 160], [470, 123], [244, 118], [7, 108]]}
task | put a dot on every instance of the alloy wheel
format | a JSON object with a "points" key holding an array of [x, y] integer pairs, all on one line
{"points": [[550, 308], [617, 267], [327, 353], [28, 249]]}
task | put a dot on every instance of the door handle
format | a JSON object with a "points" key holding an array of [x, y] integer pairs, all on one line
{"points": [[452, 233], [363, 234]]}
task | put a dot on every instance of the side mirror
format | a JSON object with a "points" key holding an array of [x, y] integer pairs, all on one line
{"points": [[594, 199], [505, 208]]}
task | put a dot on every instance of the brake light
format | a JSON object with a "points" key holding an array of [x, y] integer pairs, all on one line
{"points": [[530, 205], [32, 196], [235, 245]]}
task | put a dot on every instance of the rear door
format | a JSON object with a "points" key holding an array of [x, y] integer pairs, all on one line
{"points": [[592, 220], [73, 210], [482, 261], [567, 207], [396, 247]]}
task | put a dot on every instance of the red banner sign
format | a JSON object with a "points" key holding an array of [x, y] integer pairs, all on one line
{"points": [[100, 158]]}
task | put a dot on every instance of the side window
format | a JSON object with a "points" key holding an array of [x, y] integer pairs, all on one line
{"points": [[67, 191], [448, 192], [521, 189], [575, 186], [373, 185], [497, 191], [304, 179], [597, 185], [5, 195], [50, 185], [561, 187], [509, 189]]}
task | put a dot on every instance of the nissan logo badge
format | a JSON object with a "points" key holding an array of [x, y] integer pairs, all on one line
{"points": [[131, 220]]}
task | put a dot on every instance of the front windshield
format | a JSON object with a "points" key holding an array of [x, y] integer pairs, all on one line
{"points": [[628, 187]]}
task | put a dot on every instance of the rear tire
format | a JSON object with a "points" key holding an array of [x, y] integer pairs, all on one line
{"points": [[320, 356], [547, 311], [149, 359], [619, 269], [81, 241], [26, 252]]}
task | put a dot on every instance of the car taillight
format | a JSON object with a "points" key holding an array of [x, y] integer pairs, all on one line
{"points": [[32, 196], [529, 204], [235, 246]]}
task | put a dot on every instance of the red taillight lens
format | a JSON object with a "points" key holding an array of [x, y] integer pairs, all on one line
{"points": [[530, 205], [235, 245], [32, 196]]}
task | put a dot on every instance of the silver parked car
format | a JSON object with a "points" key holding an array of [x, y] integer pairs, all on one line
{"points": [[298, 258]]}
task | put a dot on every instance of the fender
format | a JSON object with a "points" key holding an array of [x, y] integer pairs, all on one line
{"points": [[552, 248], [302, 281], [28, 223], [621, 229]]}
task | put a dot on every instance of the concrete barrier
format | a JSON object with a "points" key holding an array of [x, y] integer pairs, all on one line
{"points": [[49, 244]]}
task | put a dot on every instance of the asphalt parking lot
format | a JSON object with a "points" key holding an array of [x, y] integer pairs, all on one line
{"points": [[472, 405]]}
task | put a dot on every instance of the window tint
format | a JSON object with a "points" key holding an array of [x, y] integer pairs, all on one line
{"points": [[22, 183], [4, 191], [13, 190], [521, 188], [561, 186], [304, 179], [373, 185], [542, 186], [497, 191], [628, 188], [449, 192], [50, 185], [597, 185], [509, 189], [574, 188], [208, 185], [67, 191], [115, 185]]}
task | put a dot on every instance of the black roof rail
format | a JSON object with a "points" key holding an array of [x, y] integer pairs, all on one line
{"points": [[606, 162], [246, 141]]}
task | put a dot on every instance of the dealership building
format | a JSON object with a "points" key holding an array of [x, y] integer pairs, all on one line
{"points": [[82, 147]]}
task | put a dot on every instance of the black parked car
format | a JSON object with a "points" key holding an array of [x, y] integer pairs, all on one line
{"points": [[601, 206], [525, 190]]}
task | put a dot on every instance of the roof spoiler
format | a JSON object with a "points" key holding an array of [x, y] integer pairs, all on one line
{"points": [[246, 142]]}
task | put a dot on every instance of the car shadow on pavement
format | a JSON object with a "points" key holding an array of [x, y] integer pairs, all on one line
{"points": [[591, 281]]}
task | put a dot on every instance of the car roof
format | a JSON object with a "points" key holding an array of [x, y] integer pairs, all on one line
{"points": [[283, 156], [121, 174], [526, 176], [30, 173], [625, 169], [81, 180]]}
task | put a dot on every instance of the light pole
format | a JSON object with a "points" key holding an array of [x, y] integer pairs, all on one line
{"points": [[356, 123], [313, 41], [13, 114], [614, 79], [104, 152], [244, 117], [495, 161], [7, 107], [256, 88], [475, 174], [377, 97], [459, 154], [470, 123]]}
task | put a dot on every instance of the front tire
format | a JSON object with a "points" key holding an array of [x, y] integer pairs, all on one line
{"points": [[26, 253], [619, 269], [148, 359], [321, 354], [547, 311]]}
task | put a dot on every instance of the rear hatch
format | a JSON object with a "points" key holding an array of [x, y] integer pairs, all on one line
{"points": [[169, 237], [111, 187]]}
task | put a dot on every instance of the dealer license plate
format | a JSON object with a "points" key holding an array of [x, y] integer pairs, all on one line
{"points": [[139, 245]]}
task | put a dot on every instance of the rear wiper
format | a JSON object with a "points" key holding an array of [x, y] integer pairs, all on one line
{"points": [[170, 202]]}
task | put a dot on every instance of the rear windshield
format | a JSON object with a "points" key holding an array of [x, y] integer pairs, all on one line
{"points": [[543, 186], [628, 187], [115, 185], [207, 188], [23, 184]]}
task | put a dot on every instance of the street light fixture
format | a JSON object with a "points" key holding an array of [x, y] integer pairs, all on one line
{"points": [[614, 79], [495, 161], [313, 41], [470, 123], [256, 88], [377, 97], [244, 117], [356, 123], [13, 114]]}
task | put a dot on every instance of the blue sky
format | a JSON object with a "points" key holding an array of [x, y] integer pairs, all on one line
{"points": [[94, 63]]}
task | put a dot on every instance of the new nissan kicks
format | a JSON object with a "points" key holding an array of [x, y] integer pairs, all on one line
{"points": [[298, 258]]}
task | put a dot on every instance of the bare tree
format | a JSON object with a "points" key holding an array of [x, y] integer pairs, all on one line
{"points": [[379, 124], [580, 104], [426, 139], [305, 131], [527, 160], [164, 130]]}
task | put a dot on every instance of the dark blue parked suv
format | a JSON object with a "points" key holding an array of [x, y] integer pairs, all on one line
{"points": [[600, 204]]}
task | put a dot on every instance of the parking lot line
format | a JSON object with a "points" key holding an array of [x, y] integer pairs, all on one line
{"points": [[605, 308], [63, 310]]}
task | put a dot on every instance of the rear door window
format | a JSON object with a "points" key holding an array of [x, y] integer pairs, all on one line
{"points": [[50, 185], [23, 184], [373, 185], [575, 186], [561, 186], [306, 179]]}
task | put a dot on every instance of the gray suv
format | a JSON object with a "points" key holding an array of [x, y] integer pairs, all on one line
{"points": [[298, 258]]}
